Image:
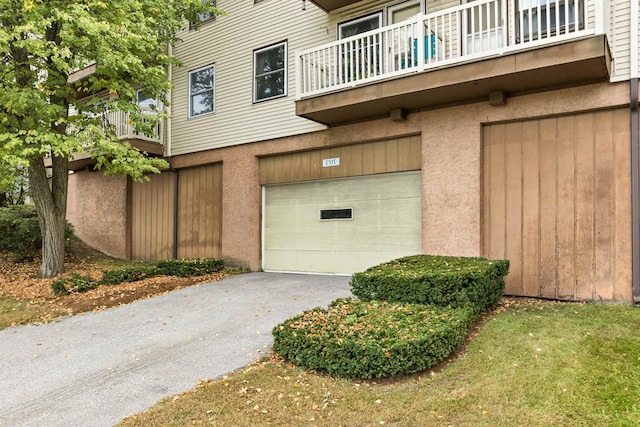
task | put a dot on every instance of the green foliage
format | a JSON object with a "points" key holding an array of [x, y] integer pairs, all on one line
{"points": [[129, 274], [436, 280], [357, 339], [73, 283], [20, 231], [190, 267], [179, 268]]}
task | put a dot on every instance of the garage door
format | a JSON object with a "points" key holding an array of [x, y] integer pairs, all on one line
{"points": [[557, 204], [342, 225]]}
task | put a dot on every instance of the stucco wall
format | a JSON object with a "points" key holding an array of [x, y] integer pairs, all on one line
{"points": [[451, 166], [97, 208]]}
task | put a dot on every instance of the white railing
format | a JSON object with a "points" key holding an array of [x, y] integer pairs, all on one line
{"points": [[468, 32], [126, 130]]}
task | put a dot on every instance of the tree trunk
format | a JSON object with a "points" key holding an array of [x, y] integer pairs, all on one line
{"points": [[51, 205]]}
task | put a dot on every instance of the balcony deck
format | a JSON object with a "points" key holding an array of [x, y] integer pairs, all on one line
{"points": [[470, 52]]}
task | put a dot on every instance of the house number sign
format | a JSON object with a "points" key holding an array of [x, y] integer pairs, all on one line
{"points": [[329, 163]]}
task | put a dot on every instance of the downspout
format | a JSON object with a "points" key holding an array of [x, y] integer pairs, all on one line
{"points": [[635, 151], [176, 174]]}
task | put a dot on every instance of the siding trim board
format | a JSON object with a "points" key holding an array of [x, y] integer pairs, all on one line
{"points": [[392, 155]]}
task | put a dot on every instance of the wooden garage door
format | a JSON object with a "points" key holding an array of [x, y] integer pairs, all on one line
{"points": [[200, 212], [557, 204], [342, 225], [152, 218]]}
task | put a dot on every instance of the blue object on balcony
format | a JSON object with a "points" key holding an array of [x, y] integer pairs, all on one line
{"points": [[429, 47]]}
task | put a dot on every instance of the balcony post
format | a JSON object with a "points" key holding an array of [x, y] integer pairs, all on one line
{"points": [[299, 80], [420, 46]]}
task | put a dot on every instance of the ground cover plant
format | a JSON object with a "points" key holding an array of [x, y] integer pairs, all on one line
{"points": [[533, 363], [356, 339]]}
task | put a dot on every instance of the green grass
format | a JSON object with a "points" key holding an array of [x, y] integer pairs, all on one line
{"points": [[19, 312], [533, 363]]}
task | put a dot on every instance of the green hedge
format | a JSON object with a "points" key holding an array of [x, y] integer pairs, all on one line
{"points": [[435, 280], [73, 283], [356, 339], [129, 274], [190, 267], [20, 231]]}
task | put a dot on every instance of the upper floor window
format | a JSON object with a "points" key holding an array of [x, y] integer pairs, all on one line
{"points": [[202, 91], [206, 16], [360, 25], [270, 72]]}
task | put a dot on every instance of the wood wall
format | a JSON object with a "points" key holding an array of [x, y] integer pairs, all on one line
{"points": [[199, 214], [394, 155], [557, 204], [152, 218]]}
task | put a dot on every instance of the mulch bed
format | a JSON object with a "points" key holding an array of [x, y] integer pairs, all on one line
{"points": [[20, 281]]}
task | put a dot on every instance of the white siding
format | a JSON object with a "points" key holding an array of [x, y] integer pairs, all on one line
{"points": [[229, 42], [620, 38]]}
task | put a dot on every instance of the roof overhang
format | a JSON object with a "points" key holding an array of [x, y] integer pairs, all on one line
{"points": [[331, 5], [569, 64]]}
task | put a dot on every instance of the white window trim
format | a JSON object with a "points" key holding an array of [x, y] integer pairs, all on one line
{"points": [[366, 17], [286, 72], [213, 89]]}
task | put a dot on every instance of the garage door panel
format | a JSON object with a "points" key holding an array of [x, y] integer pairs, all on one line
{"points": [[557, 191], [386, 223]]}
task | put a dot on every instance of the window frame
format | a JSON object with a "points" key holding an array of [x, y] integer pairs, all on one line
{"points": [[191, 94], [379, 14], [210, 18], [285, 69]]}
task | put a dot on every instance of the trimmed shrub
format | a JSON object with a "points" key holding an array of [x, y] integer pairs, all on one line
{"points": [[73, 283], [129, 274], [356, 339], [20, 231], [190, 267], [435, 280]]}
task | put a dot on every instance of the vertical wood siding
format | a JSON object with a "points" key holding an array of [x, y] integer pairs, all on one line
{"points": [[394, 155], [152, 218], [557, 204], [200, 212]]}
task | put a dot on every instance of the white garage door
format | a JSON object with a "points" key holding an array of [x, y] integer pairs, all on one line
{"points": [[343, 225]]}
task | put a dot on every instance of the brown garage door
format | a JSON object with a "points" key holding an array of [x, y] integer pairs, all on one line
{"points": [[199, 214], [557, 204]]}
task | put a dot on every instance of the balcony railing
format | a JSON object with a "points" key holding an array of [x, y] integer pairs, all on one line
{"points": [[469, 32], [125, 130]]}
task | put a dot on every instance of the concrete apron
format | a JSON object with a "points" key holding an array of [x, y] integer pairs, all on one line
{"points": [[97, 368]]}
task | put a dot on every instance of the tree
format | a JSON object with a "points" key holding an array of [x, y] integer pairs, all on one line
{"points": [[43, 113]]}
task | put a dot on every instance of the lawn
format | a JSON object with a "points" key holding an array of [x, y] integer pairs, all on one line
{"points": [[533, 363]]}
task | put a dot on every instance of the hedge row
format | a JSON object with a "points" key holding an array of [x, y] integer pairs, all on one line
{"points": [[180, 268], [436, 280], [357, 339], [412, 314]]}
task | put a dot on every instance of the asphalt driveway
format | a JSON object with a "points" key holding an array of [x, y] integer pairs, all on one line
{"points": [[94, 369]]}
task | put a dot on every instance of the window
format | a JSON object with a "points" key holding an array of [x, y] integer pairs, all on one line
{"points": [[270, 72], [329, 214], [202, 91], [360, 25], [360, 58], [206, 16], [146, 101]]}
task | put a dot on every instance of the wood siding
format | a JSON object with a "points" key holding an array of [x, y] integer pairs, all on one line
{"points": [[151, 210], [200, 212], [557, 204], [394, 155]]}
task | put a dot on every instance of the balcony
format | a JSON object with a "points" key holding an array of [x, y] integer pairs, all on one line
{"points": [[124, 131], [461, 54]]}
